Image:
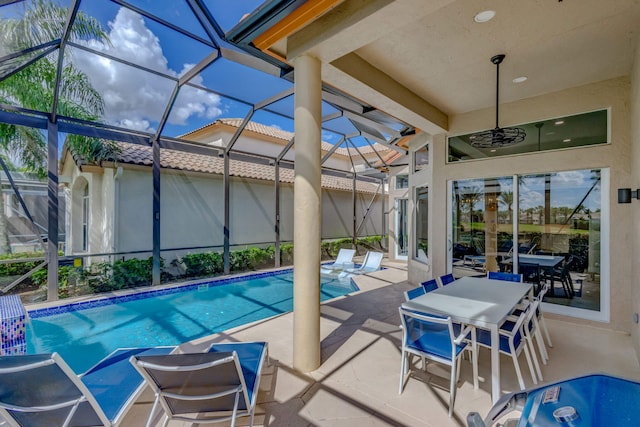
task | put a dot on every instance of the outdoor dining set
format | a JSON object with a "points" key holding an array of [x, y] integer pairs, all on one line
{"points": [[443, 319]]}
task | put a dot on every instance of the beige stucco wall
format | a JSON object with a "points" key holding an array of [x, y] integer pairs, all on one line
{"points": [[613, 94], [634, 208], [192, 211]]}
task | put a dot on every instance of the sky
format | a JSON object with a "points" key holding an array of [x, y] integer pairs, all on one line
{"points": [[137, 99]]}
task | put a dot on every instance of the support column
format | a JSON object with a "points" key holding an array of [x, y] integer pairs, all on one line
{"points": [[52, 221], [307, 214], [155, 169]]}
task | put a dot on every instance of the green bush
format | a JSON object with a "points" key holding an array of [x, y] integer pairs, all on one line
{"points": [[122, 274], [203, 264], [65, 275], [19, 267]]}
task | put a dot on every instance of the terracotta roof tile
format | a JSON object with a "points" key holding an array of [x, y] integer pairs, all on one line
{"points": [[180, 160]]}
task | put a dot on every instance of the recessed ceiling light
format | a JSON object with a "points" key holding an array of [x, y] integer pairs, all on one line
{"points": [[566, 140], [484, 16], [520, 79], [559, 122]]}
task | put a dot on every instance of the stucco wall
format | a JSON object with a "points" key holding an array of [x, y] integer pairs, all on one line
{"points": [[634, 208], [192, 212], [613, 94]]}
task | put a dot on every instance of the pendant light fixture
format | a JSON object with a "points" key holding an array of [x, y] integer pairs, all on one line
{"points": [[497, 137]]}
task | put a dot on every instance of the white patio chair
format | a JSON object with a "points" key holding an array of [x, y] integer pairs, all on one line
{"points": [[432, 337]]}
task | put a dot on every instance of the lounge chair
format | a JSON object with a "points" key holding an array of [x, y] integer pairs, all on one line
{"points": [[42, 390], [342, 261], [371, 263], [216, 386]]}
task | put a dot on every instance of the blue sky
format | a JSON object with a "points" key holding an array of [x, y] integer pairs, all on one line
{"points": [[136, 99]]}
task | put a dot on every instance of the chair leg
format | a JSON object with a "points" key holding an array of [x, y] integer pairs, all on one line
{"points": [[455, 368], [534, 355], [474, 357], [544, 328], [403, 362], [538, 336], [517, 367], [529, 362], [154, 408]]}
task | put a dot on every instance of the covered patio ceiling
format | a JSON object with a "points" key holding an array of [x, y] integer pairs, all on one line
{"points": [[427, 62], [165, 69]]}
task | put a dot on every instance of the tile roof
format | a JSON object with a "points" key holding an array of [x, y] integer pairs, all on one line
{"points": [[136, 154], [286, 136]]}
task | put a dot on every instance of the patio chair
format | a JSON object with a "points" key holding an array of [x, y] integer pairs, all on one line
{"points": [[512, 343], [432, 337], [216, 386], [42, 390], [372, 261], [414, 293], [430, 285], [446, 279], [509, 277], [342, 261]]}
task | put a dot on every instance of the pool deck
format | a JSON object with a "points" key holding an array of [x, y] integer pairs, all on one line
{"points": [[357, 382]]}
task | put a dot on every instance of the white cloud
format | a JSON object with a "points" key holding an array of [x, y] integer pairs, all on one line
{"points": [[135, 98]]}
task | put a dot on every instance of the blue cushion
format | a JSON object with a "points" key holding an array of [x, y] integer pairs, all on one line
{"points": [[431, 338]]}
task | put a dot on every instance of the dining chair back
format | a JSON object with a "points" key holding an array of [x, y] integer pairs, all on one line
{"points": [[430, 285], [509, 277], [446, 279], [433, 337], [414, 293]]}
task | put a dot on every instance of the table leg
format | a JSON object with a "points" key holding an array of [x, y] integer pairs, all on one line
{"points": [[495, 364]]}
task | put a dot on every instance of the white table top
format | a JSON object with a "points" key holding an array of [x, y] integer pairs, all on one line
{"points": [[477, 301]]}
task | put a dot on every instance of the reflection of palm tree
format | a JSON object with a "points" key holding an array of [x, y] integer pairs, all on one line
{"points": [[34, 87], [506, 198]]}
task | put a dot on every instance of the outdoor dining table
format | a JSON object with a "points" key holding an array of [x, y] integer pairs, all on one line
{"points": [[544, 262], [481, 302]]}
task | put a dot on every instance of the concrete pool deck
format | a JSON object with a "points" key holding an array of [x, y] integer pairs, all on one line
{"points": [[357, 382]]}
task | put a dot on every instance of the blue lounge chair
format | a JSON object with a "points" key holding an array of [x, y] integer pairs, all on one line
{"points": [[216, 386], [41, 389]]}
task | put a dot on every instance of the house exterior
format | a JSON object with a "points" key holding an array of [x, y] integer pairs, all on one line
{"points": [[111, 204]]}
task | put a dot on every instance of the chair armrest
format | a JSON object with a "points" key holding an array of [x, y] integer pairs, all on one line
{"points": [[466, 330]]}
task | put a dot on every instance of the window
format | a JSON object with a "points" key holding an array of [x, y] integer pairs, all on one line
{"points": [[422, 223], [555, 134], [85, 219], [555, 217], [402, 232], [421, 158], [402, 181]]}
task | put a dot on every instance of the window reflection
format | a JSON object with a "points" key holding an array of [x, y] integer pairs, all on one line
{"points": [[558, 223]]}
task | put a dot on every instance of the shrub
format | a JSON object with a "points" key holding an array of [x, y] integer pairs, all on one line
{"points": [[203, 264], [66, 274]]}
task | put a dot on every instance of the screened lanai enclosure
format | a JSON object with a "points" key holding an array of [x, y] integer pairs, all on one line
{"points": [[149, 141]]}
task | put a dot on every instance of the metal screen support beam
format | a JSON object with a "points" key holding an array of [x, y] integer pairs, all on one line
{"points": [[383, 241], [355, 226], [366, 213], [52, 211], [155, 271], [277, 218], [36, 230], [225, 179]]}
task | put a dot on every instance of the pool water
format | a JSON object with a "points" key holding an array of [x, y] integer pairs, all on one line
{"points": [[84, 336]]}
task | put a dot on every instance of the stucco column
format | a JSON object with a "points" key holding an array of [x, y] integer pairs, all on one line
{"points": [[307, 215]]}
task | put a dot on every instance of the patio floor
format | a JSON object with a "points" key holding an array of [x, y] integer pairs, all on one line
{"points": [[357, 383]]}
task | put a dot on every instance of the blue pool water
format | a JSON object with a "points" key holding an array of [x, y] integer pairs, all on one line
{"points": [[83, 336]]}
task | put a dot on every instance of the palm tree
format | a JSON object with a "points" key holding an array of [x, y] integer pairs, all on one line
{"points": [[33, 88]]}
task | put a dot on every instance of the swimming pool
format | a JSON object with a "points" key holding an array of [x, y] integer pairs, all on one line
{"points": [[83, 333]]}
